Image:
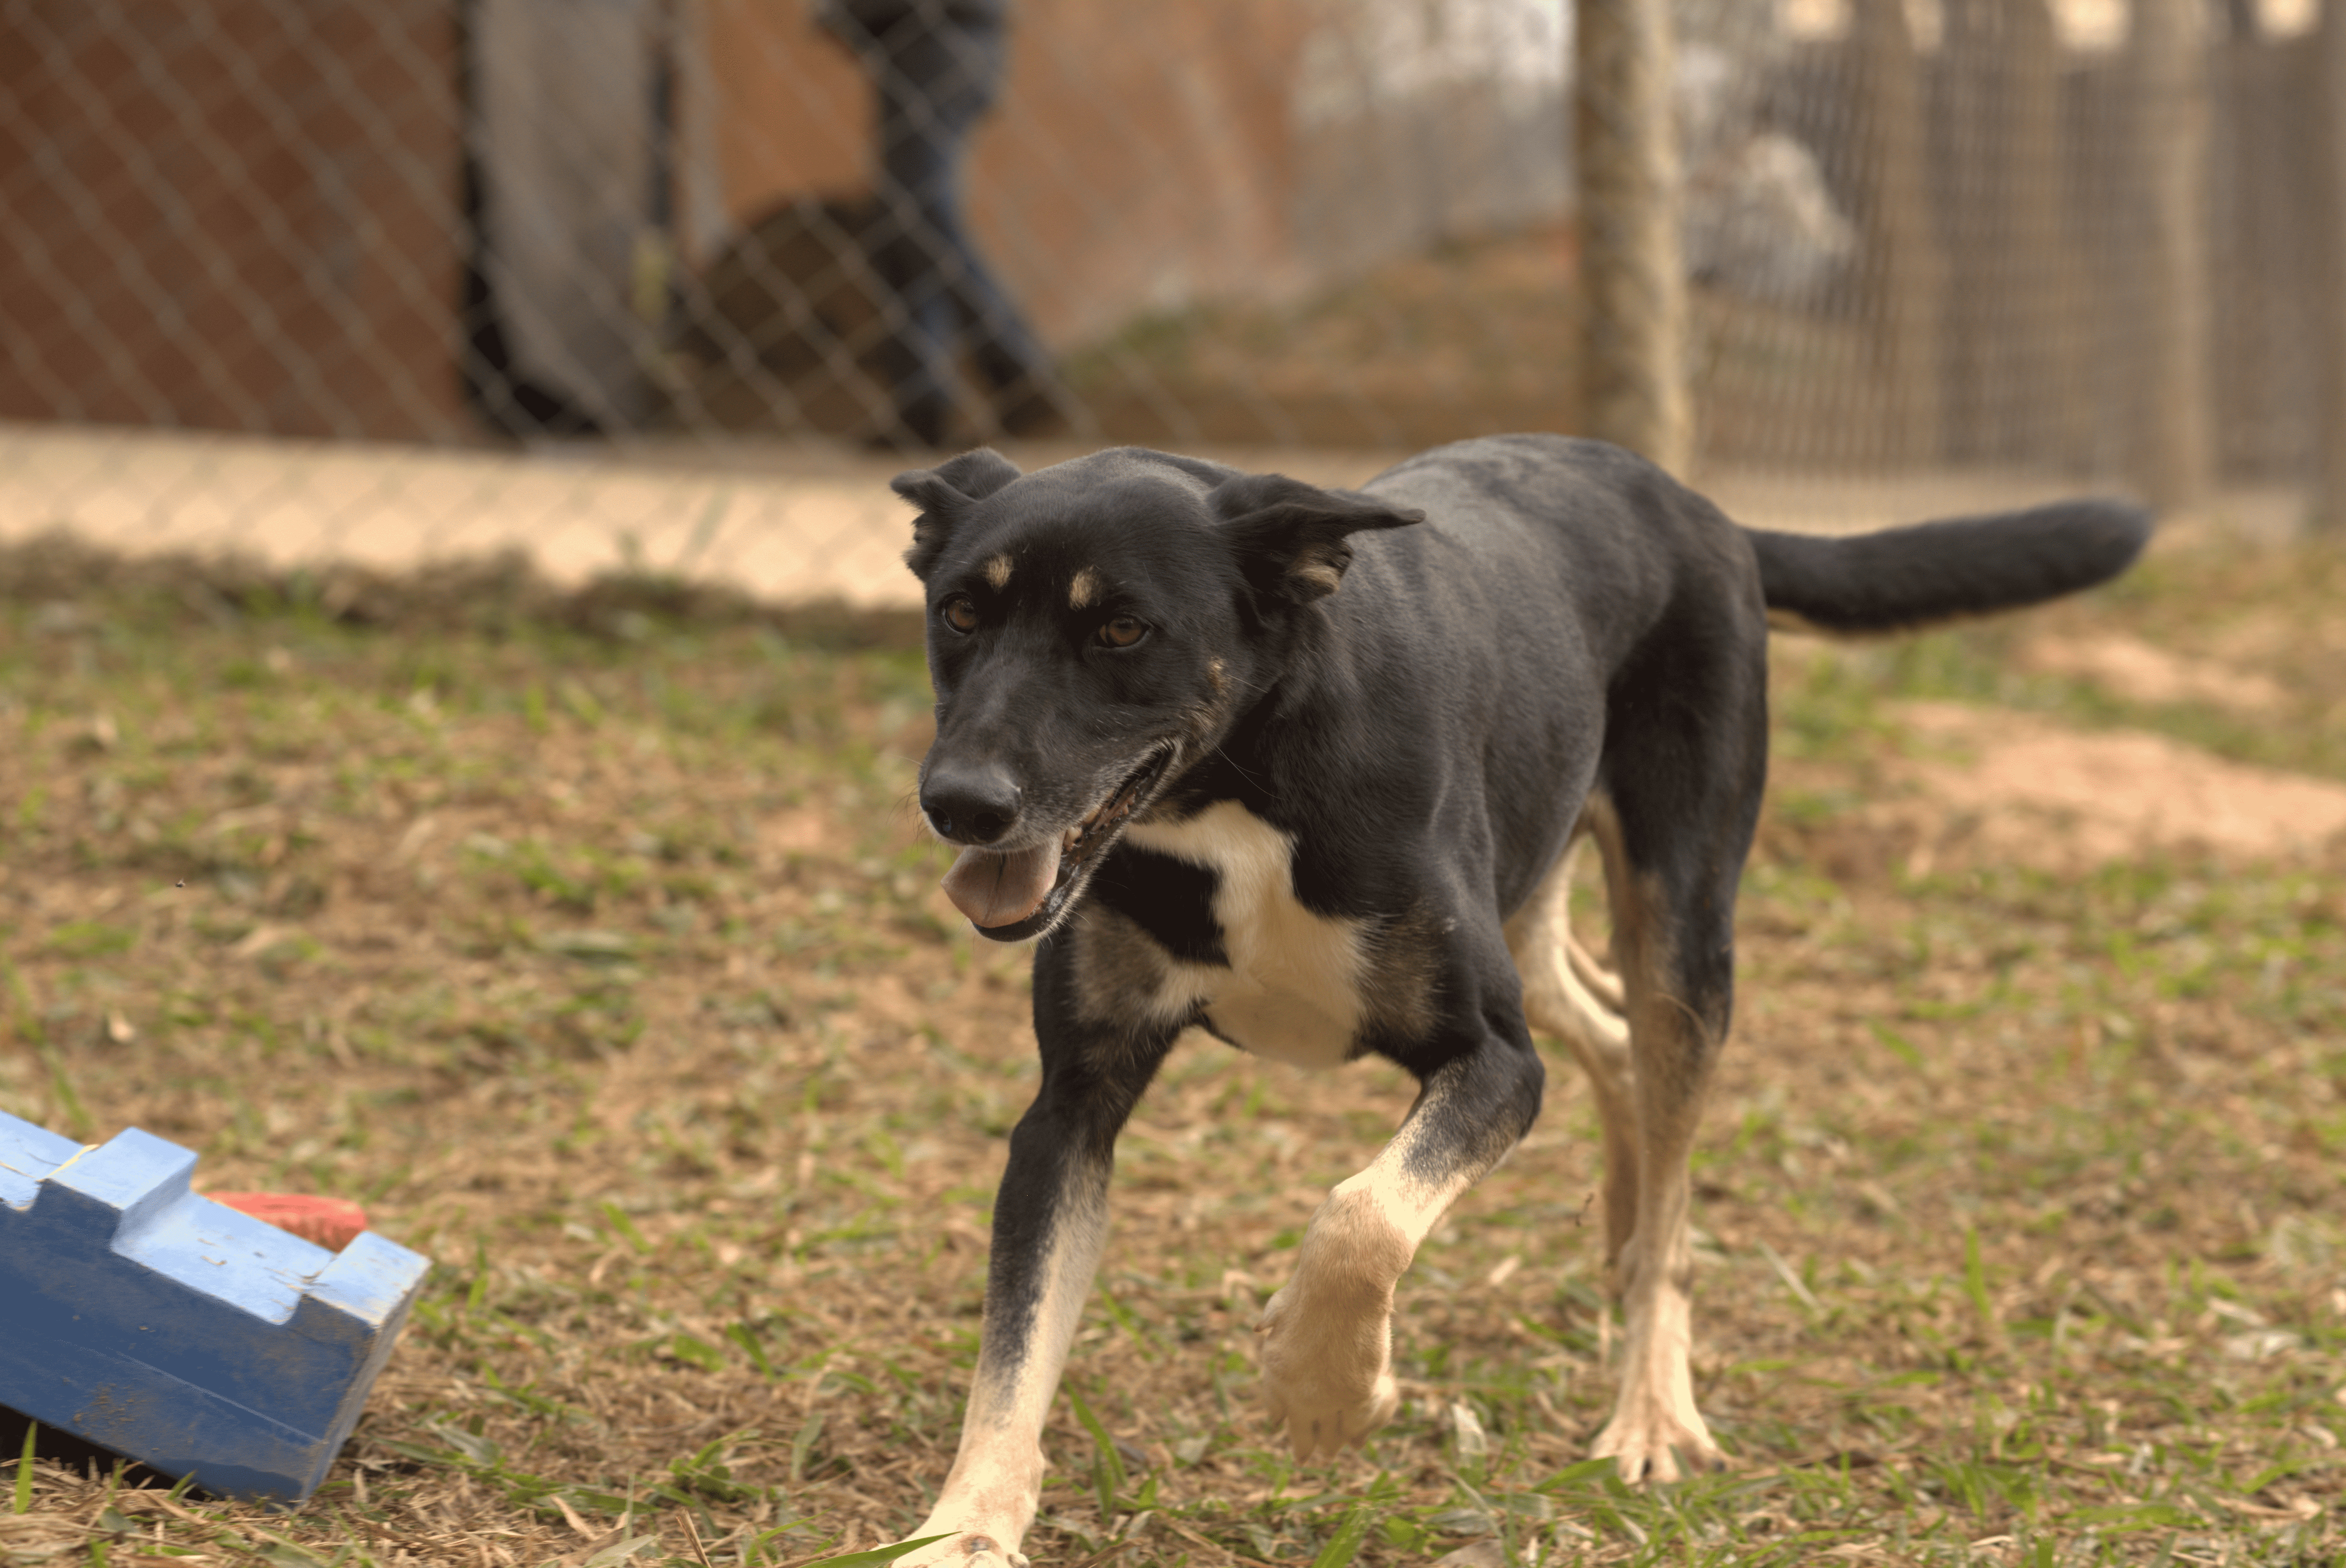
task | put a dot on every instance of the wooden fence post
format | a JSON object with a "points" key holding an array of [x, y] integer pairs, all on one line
{"points": [[1634, 350], [2329, 499], [2174, 456], [1905, 273]]}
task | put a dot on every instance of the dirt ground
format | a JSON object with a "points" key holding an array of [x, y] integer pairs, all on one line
{"points": [[2031, 793], [592, 945]]}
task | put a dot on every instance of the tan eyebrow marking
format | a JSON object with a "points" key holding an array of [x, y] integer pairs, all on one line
{"points": [[1084, 589], [1320, 576], [998, 570]]}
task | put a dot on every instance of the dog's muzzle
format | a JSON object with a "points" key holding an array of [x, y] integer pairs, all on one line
{"points": [[1017, 888]]}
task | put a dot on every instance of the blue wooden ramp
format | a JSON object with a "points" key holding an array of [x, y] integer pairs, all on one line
{"points": [[198, 1341]]}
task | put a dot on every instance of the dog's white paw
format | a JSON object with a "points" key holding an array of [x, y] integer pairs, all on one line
{"points": [[1327, 1369], [974, 1548], [1650, 1442]]}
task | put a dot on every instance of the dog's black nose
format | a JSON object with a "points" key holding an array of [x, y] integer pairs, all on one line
{"points": [[970, 806]]}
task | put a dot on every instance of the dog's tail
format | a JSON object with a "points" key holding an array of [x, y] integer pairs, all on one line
{"points": [[1903, 577]]}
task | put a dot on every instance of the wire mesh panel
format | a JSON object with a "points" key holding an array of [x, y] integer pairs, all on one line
{"points": [[240, 215], [1963, 238]]}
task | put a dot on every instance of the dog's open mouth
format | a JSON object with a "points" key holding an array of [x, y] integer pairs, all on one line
{"points": [[1013, 895]]}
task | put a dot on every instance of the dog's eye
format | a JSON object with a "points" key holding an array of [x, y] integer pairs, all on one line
{"points": [[1122, 632], [959, 614]]}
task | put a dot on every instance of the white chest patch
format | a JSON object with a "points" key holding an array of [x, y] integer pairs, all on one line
{"points": [[1292, 990]]}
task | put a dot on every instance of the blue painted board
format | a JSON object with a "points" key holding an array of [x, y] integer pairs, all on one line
{"points": [[173, 1329]]}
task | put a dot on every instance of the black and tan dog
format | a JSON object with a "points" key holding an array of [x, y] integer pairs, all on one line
{"points": [[1306, 768]]}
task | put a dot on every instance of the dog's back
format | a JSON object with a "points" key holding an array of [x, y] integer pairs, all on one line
{"points": [[1545, 520]]}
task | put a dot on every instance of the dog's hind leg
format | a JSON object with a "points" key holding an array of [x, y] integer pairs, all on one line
{"points": [[1050, 1223], [1684, 788], [1599, 979], [1567, 994]]}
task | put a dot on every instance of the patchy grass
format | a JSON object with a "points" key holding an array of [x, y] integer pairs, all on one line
{"points": [[606, 968], [2236, 614]]}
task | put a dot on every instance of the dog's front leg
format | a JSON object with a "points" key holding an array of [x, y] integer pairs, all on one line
{"points": [[1326, 1334], [1050, 1222]]}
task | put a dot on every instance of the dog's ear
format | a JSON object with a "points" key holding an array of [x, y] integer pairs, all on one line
{"points": [[1290, 536], [943, 493]]}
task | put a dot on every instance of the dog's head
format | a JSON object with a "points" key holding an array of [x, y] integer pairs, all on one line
{"points": [[1094, 630]]}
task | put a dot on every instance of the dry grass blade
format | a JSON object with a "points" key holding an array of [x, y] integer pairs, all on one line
{"points": [[1114, 1549], [692, 1532], [871, 1559]]}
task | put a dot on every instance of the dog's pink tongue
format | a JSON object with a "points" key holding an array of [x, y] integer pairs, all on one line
{"points": [[1001, 890]]}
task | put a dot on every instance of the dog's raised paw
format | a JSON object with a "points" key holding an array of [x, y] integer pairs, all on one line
{"points": [[964, 1549], [1317, 1429], [1327, 1375]]}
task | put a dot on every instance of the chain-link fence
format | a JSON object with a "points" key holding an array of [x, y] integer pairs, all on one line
{"points": [[1976, 248]]}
